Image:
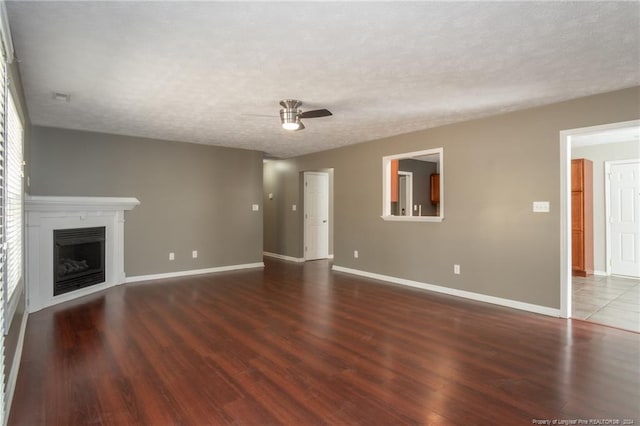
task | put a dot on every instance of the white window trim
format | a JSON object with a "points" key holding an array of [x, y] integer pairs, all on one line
{"points": [[12, 299], [386, 187]]}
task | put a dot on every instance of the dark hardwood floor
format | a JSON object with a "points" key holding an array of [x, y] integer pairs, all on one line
{"points": [[298, 344]]}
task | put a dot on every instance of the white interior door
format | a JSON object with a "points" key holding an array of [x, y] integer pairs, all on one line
{"points": [[316, 215], [624, 217]]}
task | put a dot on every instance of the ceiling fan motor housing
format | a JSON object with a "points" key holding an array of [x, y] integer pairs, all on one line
{"points": [[290, 114]]}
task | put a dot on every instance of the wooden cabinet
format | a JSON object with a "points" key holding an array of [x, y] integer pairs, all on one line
{"points": [[394, 180], [582, 217], [435, 188]]}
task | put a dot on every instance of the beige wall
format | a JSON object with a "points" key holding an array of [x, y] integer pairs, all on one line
{"points": [[598, 154], [193, 197], [494, 168]]}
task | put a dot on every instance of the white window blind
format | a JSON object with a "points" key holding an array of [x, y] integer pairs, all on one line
{"points": [[2, 251], [13, 196]]}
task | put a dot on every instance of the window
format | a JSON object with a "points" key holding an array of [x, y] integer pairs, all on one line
{"points": [[6, 311], [2, 251], [412, 189], [12, 205]]}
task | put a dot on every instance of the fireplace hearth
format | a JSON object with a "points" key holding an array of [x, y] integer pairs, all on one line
{"points": [[79, 258]]}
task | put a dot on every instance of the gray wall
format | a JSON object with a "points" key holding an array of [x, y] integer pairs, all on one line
{"points": [[494, 168], [286, 185], [422, 171], [193, 197], [598, 154]]}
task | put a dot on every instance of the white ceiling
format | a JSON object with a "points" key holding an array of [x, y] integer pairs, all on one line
{"points": [[622, 134], [208, 72]]}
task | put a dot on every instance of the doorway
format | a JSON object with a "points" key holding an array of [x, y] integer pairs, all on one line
{"points": [[405, 193], [600, 297], [316, 215]]}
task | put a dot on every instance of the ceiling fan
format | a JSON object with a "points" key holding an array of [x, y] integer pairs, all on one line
{"points": [[290, 114]]}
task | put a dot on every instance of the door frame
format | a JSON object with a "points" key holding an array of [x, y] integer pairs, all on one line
{"points": [[408, 191], [565, 206], [304, 212], [607, 208]]}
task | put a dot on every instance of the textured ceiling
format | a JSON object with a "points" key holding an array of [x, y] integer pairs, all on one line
{"points": [[209, 72]]}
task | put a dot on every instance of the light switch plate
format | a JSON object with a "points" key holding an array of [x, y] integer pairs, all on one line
{"points": [[255, 207], [294, 207], [541, 207]]}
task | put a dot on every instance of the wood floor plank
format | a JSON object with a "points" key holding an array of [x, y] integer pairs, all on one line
{"points": [[300, 344]]}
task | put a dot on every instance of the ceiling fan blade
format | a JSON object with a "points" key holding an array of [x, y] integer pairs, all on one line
{"points": [[315, 113]]}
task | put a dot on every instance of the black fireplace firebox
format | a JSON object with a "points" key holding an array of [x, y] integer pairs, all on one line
{"points": [[78, 258]]}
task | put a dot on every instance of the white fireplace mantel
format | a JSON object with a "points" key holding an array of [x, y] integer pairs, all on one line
{"points": [[44, 214], [45, 203]]}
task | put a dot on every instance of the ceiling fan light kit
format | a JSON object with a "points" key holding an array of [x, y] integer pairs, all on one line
{"points": [[290, 114]]}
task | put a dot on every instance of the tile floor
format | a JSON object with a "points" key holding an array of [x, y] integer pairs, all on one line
{"points": [[610, 300]]}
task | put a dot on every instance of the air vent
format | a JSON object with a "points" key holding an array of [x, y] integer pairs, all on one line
{"points": [[61, 97]]}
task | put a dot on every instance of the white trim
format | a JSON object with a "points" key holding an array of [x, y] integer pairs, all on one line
{"points": [[601, 273], [283, 257], [544, 310], [57, 204], [12, 302], [12, 378], [565, 224], [192, 272], [330, 256], [565, 206], [392, 218]]}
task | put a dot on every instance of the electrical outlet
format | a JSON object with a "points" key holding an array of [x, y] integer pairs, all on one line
{"points": [[194, 254], [355, 254], [294, 207], [541, 207], [456, 269], [172, 256]]}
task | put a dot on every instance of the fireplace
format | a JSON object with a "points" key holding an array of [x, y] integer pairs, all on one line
{"points": [[48, 217], [78, 258]]}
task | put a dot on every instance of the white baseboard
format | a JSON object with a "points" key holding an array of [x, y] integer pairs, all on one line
{"points": [[15, 368], [544, 310], [283, 257], [600, 273], [330, 256], [192, 272]]}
